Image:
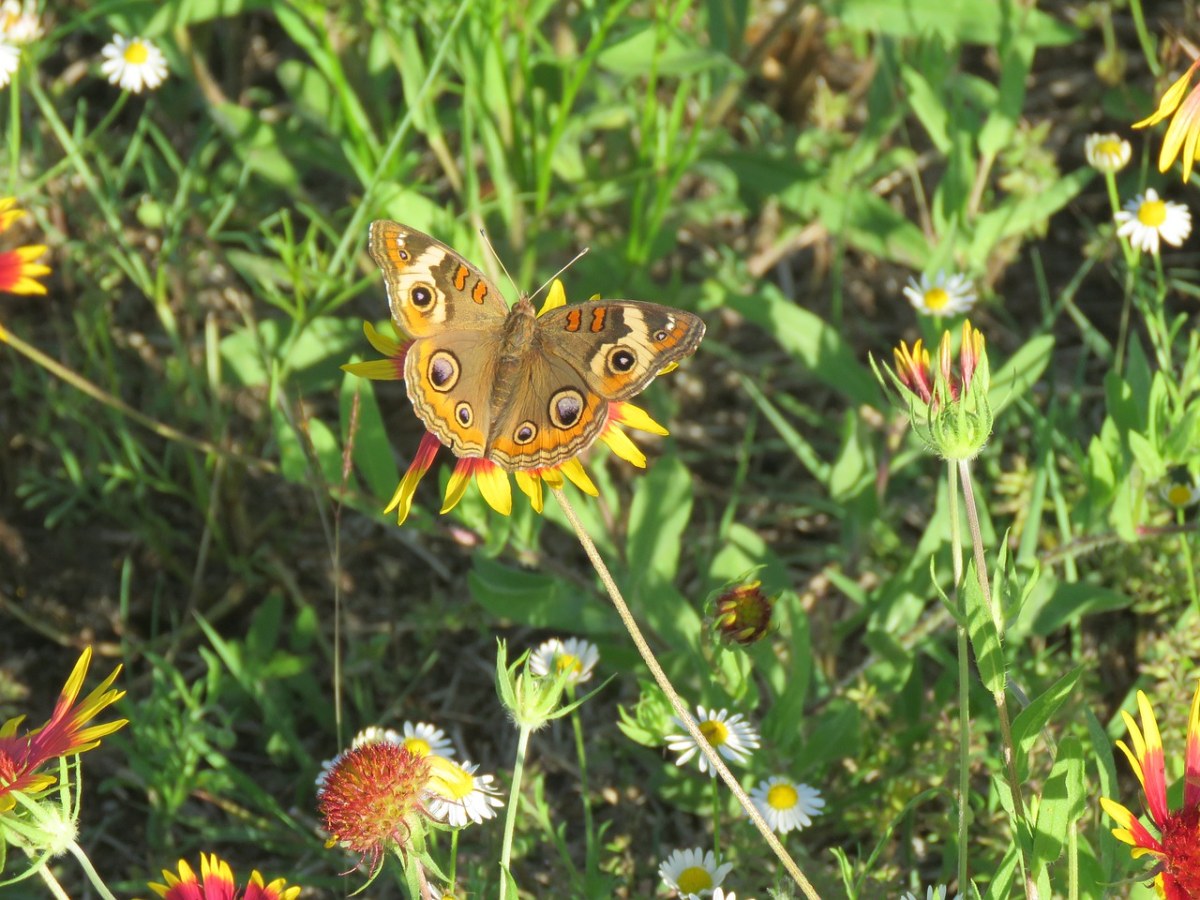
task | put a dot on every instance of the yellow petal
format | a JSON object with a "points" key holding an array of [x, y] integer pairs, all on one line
{"points": [[636, 417], [669, 367], [531, 486], [493, 484], [459, 479], [552, 477], [385, 345], [555, 298], [402, 498], [376, 369], [1170, 100], [574, 470], [620, 444]]}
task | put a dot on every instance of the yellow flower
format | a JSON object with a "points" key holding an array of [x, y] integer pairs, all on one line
{"points": [[1184, 131]]}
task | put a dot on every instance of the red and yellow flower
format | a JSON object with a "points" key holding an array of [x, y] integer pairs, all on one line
{"points": [[22, 757], [216, 883], [1177, 849], [491, 479], [19, 268], [1183, 134]]}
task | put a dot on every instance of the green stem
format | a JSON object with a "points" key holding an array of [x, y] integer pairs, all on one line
{"points": [[681, 711], [1185, 547], [90, 871], [454, 857], [964, 675], [510, 818], [591, 856], [1143, 33], [716, 817]]}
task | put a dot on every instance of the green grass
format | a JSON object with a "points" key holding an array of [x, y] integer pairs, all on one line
{"points": [[190, 483]]}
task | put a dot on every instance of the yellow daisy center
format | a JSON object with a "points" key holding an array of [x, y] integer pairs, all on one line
{"points": [[936, 298], [417, 747], [694, 879], [1179, 494], [565, 662], [716, 733], [1109, 147], [136, 53], [782, 796], [1152, 213]]}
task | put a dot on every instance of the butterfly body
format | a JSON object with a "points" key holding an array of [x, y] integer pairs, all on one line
{"points": [[526, 392]]}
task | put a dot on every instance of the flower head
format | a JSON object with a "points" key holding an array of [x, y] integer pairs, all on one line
{"points": [[491, 478], [1146, 219], [574, 656], [1177, 849], [1181, 489], [693, 873], [1184, 131], [731, 736], [742, 614], [133, 63], [374, 799], [23, 757], [424, 739], [463, 797], [949, 410], [19, 23], [1107, 152], [10, 61], [942, 296], [216, 883], [19, 269], [785, 804]]}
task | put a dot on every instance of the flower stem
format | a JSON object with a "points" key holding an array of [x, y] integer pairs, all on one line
{"points": [[964, 676], [716, 816], [591, 855], [1186, 547], [90, 871], [510, 818], [681, 711]]}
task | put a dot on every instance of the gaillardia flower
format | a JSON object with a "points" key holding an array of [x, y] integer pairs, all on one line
{"points": [[216, 883], [19, 269], [941, 296], [742, 614], [490, 477], [1177, 849], [1183, 133], [65, 734], [1146, 219], [949, 410]]}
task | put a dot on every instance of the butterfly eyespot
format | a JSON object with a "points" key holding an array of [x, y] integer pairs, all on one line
{"points": [[621, 359], [661, 335], [525, 433], [443, 371], [463, 413], [566, 408], [403, 254], [421, 296]]}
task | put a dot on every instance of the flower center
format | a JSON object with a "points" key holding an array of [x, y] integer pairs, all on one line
{"points": [[936, 298], [716, 733], [1109, 147], [694, 880], [1152, 213], [782, 796], [565, 662], [417, 747], [1179, 494], [1181, 841], [136, 53]]}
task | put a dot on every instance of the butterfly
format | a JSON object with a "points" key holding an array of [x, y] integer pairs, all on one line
{"points": [[522, 391]]}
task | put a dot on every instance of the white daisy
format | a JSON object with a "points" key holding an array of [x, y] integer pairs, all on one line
{"points": [[1146, 218], [10, 59], [422, 739], [572, 655], [133, 64], [731, 736], [787, 805], [942, 296], [19, 22], [1107, 152], [693, 873], [1181, 493], [933, 892], [471, 797]]}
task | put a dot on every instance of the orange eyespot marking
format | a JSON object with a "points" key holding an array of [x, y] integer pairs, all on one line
{"points": [[573, 320], [598, 315], [460, 277], [479, 292]]}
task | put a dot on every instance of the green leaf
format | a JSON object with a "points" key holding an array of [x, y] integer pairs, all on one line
{"points": [[1060, 804], [372, 453], [985, 640], [814, 342], [1072, 601], [295, 444], [1020, 372], [536, 599], [965, 21], [658, 517], [1019, 216], [1033, 718]]}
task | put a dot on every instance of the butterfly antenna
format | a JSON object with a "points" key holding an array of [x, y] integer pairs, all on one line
{"points": [[503, 268], [578, 256]]}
